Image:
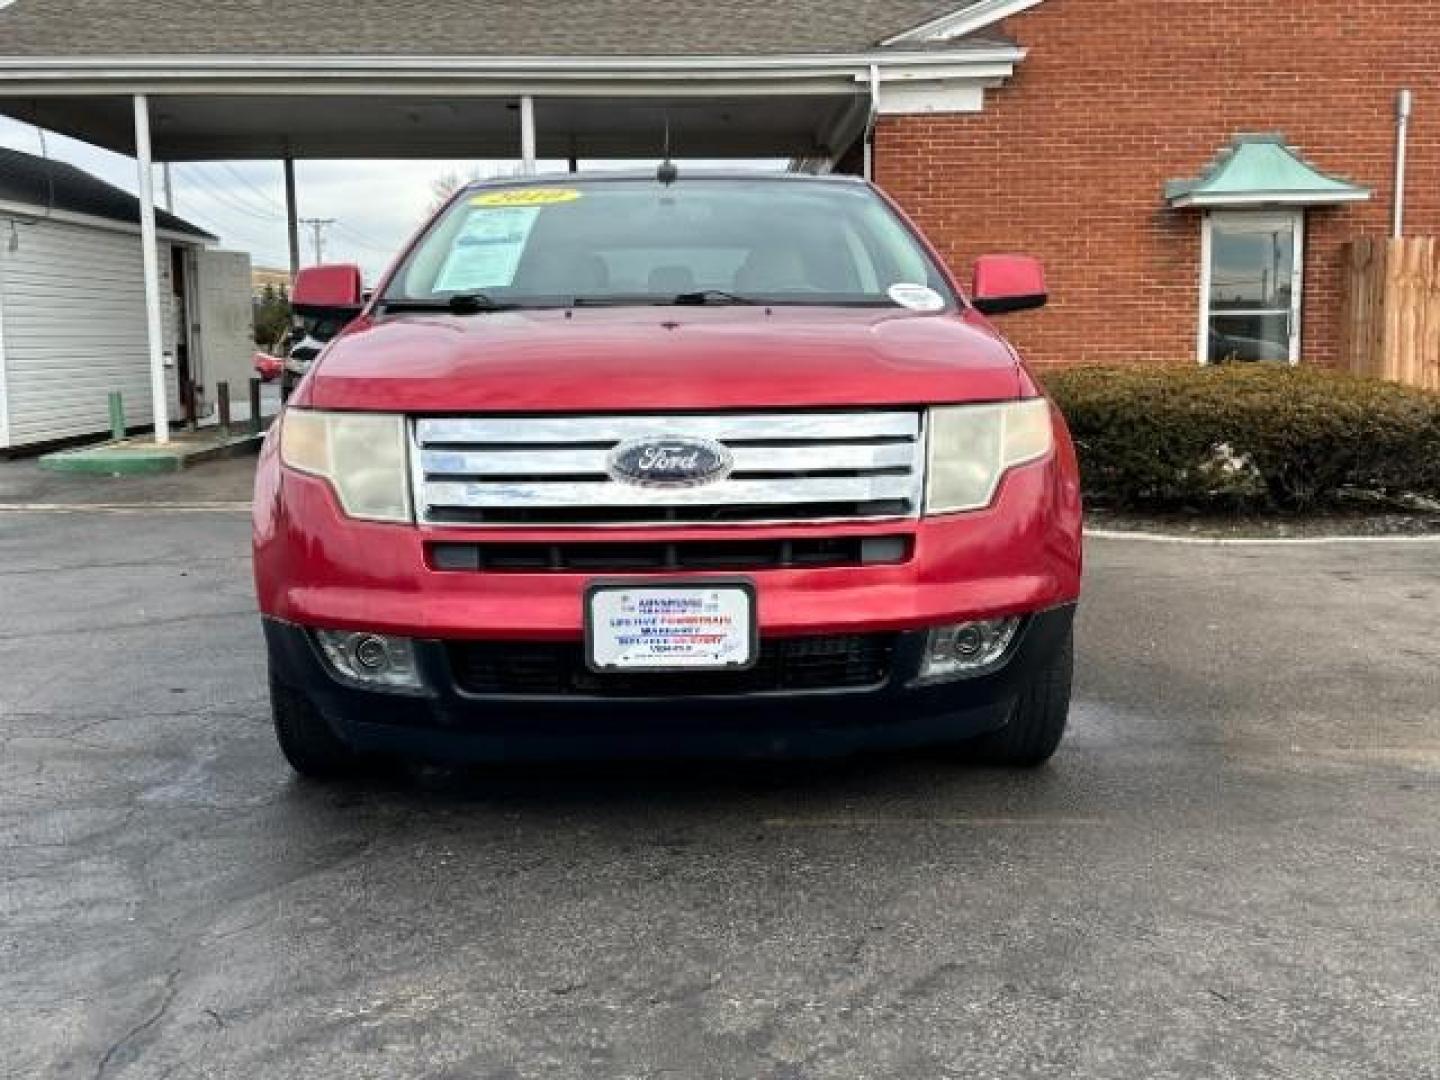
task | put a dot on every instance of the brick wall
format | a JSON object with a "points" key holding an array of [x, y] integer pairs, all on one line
{"points": [[1068, 160]]}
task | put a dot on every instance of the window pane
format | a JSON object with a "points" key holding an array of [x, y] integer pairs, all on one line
{"points": [[1251, 266], [1256, 336]]}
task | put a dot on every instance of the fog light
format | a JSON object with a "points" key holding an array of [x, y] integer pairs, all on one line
{"points": [[966, 650], [370, 653], [969, 641], [370, 659]]}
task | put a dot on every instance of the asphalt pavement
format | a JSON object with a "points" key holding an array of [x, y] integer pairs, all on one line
{"points": [[1230, 870]]}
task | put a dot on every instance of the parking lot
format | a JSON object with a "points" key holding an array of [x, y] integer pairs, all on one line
{"points": [[1230, 870]]}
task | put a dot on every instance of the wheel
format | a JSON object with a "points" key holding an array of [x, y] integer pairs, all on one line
{"points": [[1038, 722], [307, 742]]}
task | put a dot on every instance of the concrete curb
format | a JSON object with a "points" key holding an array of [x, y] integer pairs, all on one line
{"points": [[131, 459], [1253, 541], [127, 508]]}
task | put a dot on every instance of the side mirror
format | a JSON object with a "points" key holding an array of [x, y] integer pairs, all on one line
{"points": [[1008, 283], [328, 292]]}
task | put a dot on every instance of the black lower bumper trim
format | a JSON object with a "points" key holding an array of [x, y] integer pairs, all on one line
{"points": [[448, 723]]}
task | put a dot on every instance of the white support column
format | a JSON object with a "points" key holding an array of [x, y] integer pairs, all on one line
{"points": [[151, 257], [527, 135]]}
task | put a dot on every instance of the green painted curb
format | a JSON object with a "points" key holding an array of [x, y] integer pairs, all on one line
{"points": [[112, 462]]}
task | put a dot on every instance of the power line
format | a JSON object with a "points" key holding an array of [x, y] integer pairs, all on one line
{"points": [[264, 247], [236, 202], [240, 198], [263, 195], [227, 200], [361, 240]]}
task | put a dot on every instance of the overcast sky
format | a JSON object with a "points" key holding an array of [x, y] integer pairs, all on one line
{"points": [[376, 204]]}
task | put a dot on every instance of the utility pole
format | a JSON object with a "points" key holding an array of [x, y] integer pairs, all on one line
{"points": [[318, 227]]}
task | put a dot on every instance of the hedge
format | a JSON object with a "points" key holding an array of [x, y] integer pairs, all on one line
{"points": [[1253, 436]]}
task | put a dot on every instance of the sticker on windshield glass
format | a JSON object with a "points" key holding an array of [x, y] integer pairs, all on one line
{"points": [[487, 252], [917, 297], [536, 196]]}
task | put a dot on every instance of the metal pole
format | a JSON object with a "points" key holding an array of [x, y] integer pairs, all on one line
{"points": [[1402, 132], [868, 149], [527, 135], [151, 259], [222, 397], [117, 416], [292, 217], [318, 227], [255, 424], [192, 413], [169, 187]]}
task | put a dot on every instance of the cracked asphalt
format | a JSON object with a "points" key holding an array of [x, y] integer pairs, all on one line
{"points": [[1230, 870]]}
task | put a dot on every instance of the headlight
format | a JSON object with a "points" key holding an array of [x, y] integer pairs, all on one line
{"points": [[361, 454], [973, 446]]}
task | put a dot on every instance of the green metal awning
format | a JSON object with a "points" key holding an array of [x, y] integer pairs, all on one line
{"points": [[1262, 170]]}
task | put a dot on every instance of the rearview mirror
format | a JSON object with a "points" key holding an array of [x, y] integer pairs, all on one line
{"points": [[328, 292], [1008, 283]]}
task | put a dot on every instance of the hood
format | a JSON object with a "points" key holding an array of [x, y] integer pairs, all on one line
{"points": [[661, 358]]}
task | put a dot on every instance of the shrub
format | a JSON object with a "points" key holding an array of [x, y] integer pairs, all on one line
{"points": [[1256, 435]]}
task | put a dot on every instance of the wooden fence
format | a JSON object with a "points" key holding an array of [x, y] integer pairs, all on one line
{"points": [[1391, 310]]}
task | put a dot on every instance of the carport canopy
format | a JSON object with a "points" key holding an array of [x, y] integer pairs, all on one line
{"points": [[178, 80]]}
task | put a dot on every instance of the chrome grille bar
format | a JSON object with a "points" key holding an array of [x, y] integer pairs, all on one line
{"points": [[821, 457], [799, 466]]}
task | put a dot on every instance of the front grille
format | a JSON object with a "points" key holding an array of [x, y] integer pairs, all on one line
{"points": [[799, 466], [527, 668], [599, 557]]}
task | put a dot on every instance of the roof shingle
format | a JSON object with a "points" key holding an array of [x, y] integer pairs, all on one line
{"points": [[44, 183], [77, 28]]}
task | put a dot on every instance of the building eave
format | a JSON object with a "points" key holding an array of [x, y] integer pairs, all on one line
{"points": [[32, 214], [1223, 201], [266, 74], [449, 106]]}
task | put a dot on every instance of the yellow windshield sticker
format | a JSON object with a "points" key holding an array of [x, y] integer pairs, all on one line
{"points": [[535, 196]]}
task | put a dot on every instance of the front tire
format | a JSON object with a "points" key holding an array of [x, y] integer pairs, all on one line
{"points": [[1038, 723], [309, 745]]}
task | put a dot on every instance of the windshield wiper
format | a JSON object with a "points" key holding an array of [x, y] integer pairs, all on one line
{"points": [[463, 303], [701, 297]]}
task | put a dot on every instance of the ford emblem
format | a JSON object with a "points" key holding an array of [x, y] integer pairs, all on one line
{"points": [[670, 462]]}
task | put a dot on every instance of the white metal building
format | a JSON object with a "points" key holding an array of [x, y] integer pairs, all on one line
{"points": [[72, 305]]}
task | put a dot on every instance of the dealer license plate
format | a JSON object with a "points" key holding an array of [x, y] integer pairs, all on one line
{"points": [[670, 627]]}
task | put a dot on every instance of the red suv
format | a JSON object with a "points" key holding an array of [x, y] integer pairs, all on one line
{"points": [[706, 464]]}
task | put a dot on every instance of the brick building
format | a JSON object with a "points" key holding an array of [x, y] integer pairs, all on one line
{"points": [[1188, 170], [1069, 158]]}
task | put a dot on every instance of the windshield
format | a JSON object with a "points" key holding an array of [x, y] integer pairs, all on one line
{"points": [[757, 240]]}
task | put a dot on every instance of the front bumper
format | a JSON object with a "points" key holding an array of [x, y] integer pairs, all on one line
{"points": [[446, 723], [315, 568]]}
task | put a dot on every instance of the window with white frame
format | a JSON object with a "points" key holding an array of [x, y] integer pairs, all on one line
{"points": [[1250, 286]]}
